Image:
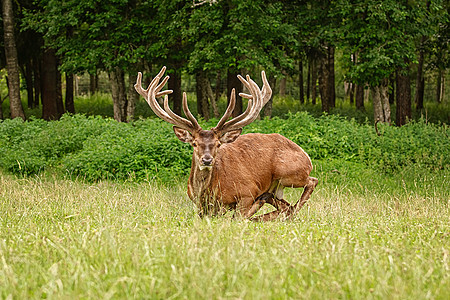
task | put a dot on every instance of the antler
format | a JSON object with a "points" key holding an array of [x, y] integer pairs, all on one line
{"points": [[154, 90], [257, 99]]}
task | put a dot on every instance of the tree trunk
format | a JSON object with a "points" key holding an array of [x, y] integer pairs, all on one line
{"points": [[59, 97], [308, 81], [29, 82], [420, 80], [175, 85], [392, 89], [300, 82], [120, 103], [313, 81], [133, 96], [70, 107], [217, 95], [378, 114], [201, 88], [12, 64], [212, 98], [331, 78], [51, 87], [384, 94], [234, 83], [380, 98], [326, 79], [440, 85], [1, 102], [37, 81], [351, 92], [359, 97], [283, 85], [323, 82], [93, 83], [403, 112]]}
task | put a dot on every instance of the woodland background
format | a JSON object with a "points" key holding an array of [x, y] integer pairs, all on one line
{"points": [[389, 57]]}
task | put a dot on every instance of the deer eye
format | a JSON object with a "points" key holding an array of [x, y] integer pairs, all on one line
{"points": [[194, 144]]}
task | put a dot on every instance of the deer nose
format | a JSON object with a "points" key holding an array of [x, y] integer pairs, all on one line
{"points": [[207, 160]]}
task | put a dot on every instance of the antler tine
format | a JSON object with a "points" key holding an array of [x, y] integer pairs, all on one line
{"points": [[188, 113], [266, 90], [153, 91], [244, 114], [148, 97], [228, 112], [257, 99], [181, 121]]}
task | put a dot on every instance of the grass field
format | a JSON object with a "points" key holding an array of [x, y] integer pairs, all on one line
{"points": [[363, 235]]}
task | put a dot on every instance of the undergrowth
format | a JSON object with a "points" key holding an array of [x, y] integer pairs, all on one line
{"points": [[96, 148]]}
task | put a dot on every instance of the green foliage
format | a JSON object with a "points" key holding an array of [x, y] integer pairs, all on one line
{"points": [[333, 136], [145, 149], [94, 148], [222, 38], [29, 147]]}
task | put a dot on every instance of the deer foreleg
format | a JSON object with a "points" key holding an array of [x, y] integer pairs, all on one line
{"points": [[284, 208], [279, 204]]}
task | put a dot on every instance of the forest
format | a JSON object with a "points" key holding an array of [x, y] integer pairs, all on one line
{"points": [[388, 56]]}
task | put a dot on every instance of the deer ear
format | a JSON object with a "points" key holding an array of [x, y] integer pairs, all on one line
{"points": [[230, 136], [183, 135]]}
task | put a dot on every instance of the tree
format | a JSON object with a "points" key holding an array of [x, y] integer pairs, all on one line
{"points": [[52, 105], [69, 99], [439, 43], [382, 33], [316, 26], [403, 88], [12, 64], [93, 35], [223, 40]]}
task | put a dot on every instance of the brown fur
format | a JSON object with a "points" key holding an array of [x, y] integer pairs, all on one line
{"points": [[247, 168]]}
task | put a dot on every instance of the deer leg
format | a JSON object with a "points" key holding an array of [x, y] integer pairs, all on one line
{"points": [[284, 208], [277, 200], [259, 202], [279, 204], [267, 217], [309, 188]]}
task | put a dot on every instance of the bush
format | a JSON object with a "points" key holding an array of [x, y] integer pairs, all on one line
{"points": [[29, 147], [145, 149], [95, 148], [334, 137]]}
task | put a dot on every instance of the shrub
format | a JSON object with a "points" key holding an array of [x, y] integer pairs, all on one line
{"points": [[29, 147], [145, 149], [95, 148], [334, 137]]}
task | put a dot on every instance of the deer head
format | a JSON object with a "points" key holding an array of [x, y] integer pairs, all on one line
{"points": [[206, 142]]}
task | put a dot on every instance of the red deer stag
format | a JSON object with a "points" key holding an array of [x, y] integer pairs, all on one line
{"points": [[233, 171]]}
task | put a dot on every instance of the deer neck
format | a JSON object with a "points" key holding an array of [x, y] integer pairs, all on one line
{"points": [[201, 180]]}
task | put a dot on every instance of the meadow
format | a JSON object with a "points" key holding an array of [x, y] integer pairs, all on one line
{"points": [[90, 208], [360, 236]]}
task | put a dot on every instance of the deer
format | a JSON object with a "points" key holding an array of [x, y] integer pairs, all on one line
{"points": [[230, 171]]}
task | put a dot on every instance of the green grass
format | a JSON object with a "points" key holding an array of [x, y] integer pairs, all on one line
{"points": [[362, 235]]}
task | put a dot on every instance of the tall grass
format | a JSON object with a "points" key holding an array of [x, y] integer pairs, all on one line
{"points": [[361, 235]]}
